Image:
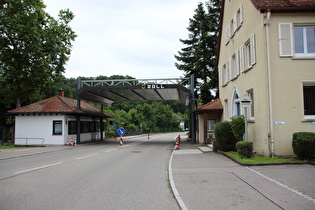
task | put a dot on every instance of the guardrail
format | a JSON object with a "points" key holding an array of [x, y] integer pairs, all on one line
{"points": [[36, 139]]}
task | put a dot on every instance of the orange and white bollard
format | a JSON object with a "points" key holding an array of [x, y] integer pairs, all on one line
{"points": [[177, 142], [121, 142]]}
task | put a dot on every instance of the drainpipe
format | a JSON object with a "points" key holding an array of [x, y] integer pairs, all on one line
{"points": [[269, 88]]}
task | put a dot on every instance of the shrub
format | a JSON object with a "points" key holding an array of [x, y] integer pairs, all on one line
{"points": [[238, 126], [225, 139], [244, 149], [303, 145]]}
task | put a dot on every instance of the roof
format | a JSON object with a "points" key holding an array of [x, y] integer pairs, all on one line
{"points": [[213, 107], [284, 5], [59, 104], [274, 6]]}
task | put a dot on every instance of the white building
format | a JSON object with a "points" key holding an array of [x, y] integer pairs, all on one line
{"points": [[56, 120]]}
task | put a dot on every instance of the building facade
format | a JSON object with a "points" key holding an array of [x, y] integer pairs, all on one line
{"points": [[267, 53]]}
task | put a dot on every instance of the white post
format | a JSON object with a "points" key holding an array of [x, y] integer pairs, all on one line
{"points": [[246, 131]]}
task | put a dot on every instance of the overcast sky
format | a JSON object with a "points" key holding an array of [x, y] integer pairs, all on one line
{"points": [[126, 37]]}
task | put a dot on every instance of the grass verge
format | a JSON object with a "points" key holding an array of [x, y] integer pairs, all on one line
{"points": [[17, 146], [256, 159]]}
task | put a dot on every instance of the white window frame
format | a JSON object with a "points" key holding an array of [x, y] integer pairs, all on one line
{"points": [[235, 69], [248, 54], [236, 103], [210, 125], [252, 104], [228, 34], [239, 17], [305, 53], [307, 117]]}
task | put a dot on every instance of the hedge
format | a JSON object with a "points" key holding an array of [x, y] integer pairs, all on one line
{"points": [[244, 149], [225, 139], [303, 145]]}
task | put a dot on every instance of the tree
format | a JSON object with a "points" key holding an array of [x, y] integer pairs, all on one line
{"points": [[199, 55], [34, 47]]}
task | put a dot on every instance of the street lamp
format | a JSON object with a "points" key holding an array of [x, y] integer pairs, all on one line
{"points": [[245, 102]]}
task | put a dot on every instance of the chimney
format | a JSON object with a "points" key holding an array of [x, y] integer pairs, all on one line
{"points": [[61, 93]]}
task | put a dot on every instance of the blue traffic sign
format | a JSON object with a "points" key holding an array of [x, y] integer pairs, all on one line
{"points": [[121, 131]]}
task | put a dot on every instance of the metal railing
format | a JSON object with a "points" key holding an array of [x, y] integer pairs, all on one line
{"points": [[116, 82], [36, 139]]}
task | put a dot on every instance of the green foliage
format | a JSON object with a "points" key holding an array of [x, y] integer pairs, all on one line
{"points": [[244, 149], [304, 145], [199, 55], [34, 48], [238, 126], [155, 117], [225, 139]]}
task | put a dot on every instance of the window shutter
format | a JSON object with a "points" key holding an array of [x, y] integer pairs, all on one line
{"points": [[227, 73], [253, 49], [227, 32], [285, 39], [242, 68], [234, 23], [223, 74], [237, 68], [241, 14], [230, 69]]}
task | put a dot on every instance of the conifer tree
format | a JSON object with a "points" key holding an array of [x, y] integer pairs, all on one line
{"points": [[199, 54]]}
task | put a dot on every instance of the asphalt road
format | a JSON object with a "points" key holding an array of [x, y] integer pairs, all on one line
{"points": [[97, 176]]}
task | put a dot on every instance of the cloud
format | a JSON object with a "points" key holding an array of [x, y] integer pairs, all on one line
{"points": [[138, 38]]}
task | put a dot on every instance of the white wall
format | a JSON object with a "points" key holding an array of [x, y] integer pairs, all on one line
{"points": [[34, 128]]}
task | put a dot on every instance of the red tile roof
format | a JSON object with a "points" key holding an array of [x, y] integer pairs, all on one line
{"points": [[59, 104], [284, 5], [211, 107]]}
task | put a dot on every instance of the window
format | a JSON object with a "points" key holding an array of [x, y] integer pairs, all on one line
{"points": [[309, 100], [234, 24], [227, 34], [304, 41], [252, 105], [236, 105], [225, 74], [210, 125], [235, 65], [248, 54], [57, 127], [72, 127], [239, 17]]}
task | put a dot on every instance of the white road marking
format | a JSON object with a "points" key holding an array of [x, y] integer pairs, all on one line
{"points": [[283, 185], [88, 156], [176, 194], [37, 168], [111, 150]]}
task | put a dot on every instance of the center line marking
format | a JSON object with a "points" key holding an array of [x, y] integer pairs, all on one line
{"points": [[111, 150], [79, 158], [37, 168]]}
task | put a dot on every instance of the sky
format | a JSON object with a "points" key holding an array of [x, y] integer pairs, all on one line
{"points": [[121, 37]]}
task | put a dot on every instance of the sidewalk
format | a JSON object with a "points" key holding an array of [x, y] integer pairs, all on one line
{"points": [[212, 181]]}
